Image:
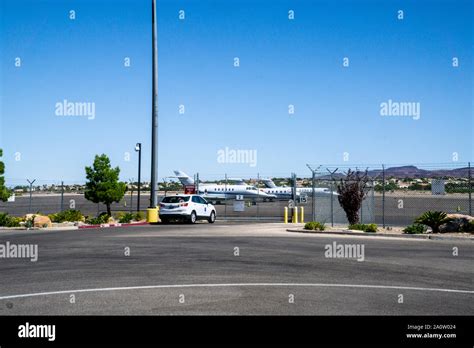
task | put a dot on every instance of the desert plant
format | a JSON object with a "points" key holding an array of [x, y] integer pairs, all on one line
{"points": [[9, 221], [30, 222], [315, 226], [139, 216], [125, 217], [71, 215], [469, 227], [370, 228], [433, 219], [364, 227], [4, 218], [352, 191], [103, 218], [415, 229]]}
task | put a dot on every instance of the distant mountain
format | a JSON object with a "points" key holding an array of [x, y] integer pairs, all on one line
{"points": [[402, 172], [412, 172]]}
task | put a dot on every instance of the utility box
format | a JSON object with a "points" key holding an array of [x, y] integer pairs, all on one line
{"points": [[239, 206], [437, 187]]}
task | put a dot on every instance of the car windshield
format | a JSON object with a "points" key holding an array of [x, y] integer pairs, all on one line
{"points": [[175, 199]]}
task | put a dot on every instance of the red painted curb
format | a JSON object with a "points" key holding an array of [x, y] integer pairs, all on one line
{"points": [[113, 225]]}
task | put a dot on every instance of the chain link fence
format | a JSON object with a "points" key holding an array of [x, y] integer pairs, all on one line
{"points": [[398, 194], [394, 195]]}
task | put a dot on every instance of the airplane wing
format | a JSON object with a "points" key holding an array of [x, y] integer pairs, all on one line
{"points": [[215, 195]]}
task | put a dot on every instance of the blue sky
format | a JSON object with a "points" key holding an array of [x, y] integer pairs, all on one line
{"points": [[282, 62]]}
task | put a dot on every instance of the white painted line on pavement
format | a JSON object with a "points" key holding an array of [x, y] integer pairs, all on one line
{"points": [[238, 285]]}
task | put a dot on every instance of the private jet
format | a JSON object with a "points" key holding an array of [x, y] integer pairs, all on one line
{"points": [[286, 192], [218, 192]]}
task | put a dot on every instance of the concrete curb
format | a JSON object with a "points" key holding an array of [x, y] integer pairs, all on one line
{"points": [[63, 228], [375, 234], [73, 228], [112, 225]]}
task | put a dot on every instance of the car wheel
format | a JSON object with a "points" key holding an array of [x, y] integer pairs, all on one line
{"points": [[193, 217], [165, 220], [212, 217]]}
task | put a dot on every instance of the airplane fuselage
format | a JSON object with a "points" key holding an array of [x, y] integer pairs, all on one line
{"points": [[233, 191]]}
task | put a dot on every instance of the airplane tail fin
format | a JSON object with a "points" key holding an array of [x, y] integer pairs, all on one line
{"points": [[237, 181], [268, 183], [184, 178]]}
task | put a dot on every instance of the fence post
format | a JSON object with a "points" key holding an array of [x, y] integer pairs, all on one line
{"points": [[131, 196], [470, 188], [225, 198], [373, 201], [293, 189], [62, 196], [332, 203], [383, 196], [197, 183], [31, 188], [332, 193], [258, 195], [313, 198]]}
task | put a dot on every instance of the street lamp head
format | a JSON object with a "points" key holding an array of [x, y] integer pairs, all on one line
{"points": [[138, 147]]}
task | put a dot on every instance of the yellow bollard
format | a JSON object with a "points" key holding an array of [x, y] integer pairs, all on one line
{"points": [[295, 215], [302, 215], [285, 215], [152, 215]]}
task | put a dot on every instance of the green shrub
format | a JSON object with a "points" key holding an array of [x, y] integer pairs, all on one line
{"points": [[70, 215], [119, 215], [370, 228], [125, 217], [15, 221], [415, 229], [103, 218], [469, 227], [359, 227], [314, 226], [4, 219], [30, 223], [9, 221], [139, 216], [364, 227], [433, 219]]}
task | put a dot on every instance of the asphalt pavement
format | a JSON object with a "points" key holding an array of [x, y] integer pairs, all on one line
{"points": [[232, 268]]}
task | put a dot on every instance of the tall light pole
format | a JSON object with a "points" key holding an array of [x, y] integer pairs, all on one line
{"points": [[138, 148], [154, 118]]}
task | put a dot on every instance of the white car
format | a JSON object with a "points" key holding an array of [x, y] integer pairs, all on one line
{"points": [[189, 208]]}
